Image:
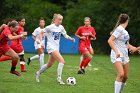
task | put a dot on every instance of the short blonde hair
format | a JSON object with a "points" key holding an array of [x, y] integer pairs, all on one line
{"points": [[55, 16], [86, 18]]}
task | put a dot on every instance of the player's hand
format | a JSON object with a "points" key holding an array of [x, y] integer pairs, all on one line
{"points": [[117, 54], [25, 37], [37, 42], [132, 50], [42, 46], [24, 33], [73, 39], [83, 37]]}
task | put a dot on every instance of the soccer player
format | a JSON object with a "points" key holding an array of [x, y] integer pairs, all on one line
{"points": [[5, 36], [16, 45], [119, 43], [39, 45], [53, 33], [85, 33]]}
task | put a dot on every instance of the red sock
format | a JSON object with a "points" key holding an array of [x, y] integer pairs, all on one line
{"points": [[82, 64], [5, 58], [14, 63], [22, 66], [86, 62]]}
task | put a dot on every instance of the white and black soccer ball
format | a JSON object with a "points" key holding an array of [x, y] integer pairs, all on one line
{"points": [[71, 81]]}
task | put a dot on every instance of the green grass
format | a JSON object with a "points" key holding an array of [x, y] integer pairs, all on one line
{"points": [[94, 81]]}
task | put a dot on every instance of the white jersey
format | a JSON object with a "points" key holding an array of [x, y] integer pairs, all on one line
{"points": [[121, 42], [36, 34], [53, 33]]}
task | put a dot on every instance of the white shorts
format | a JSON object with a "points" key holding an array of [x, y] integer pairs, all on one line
{"points": [[51, 49], [37, 46], [124, 60]]}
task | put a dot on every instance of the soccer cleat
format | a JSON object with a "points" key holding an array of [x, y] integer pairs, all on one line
{"points": [[37, 76], [28, 61], [60, 81], [81, 71], [15, 72]]}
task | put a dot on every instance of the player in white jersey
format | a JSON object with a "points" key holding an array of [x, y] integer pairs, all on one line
{"points": [[54, 32], [39, 44], [119, 42]]}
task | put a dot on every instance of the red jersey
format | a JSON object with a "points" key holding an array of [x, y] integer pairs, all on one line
{"points": [[16, 44], [4, 40], [85, 31], [4, 36], [18, 41]]}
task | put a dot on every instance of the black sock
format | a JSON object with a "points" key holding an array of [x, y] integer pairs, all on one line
{"points": [[13, 68]]}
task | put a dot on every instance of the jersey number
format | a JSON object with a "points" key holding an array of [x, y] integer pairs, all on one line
{"points": [[56, 35]]}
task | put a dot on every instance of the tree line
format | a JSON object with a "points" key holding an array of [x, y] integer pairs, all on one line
{"points": [[103, 14]]}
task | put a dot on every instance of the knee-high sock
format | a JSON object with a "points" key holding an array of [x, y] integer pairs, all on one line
{"points": [[22, 63], [43, 68], [82, 64], [60, 69], [117, 87], [34, 57], [5, 58], [123, 84], [41, 59], [14, 63], [86, 62]]}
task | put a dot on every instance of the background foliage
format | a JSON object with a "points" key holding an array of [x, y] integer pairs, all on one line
{"points": [[103, 14]]}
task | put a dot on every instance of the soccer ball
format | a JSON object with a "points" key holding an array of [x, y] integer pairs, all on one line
{"points": [[71, 81]]}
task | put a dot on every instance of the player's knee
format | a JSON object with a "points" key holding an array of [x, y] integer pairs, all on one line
{"points": [[125, 77], [121, 75], [90, 57], [15, 57]]}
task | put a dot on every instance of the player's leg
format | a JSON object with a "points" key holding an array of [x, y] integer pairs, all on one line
{"points": [[22, 61], [41, 56], [92, 53], [86, 59], [57, 56], [5, 58], [50, 62], [126, 70], [32, 58], [120, 75], [14, 57]]}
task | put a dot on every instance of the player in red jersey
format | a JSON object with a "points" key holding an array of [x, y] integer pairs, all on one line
{"points": [[16, 45], [85, 33], [5, 36]]}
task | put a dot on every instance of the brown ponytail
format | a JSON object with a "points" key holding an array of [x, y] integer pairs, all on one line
{"points": [[121, 20]]}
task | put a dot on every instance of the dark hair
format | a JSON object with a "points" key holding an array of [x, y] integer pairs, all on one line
{"points": [[20, 18], [41, 18], [8, 20], [122, 19], [13, 24]]}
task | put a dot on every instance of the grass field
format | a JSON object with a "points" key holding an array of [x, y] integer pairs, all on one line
{"points": [[94, 81]]}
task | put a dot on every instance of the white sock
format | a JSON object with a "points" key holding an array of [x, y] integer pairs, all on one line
{"points": [[41, 59], [43, 68], [59, 69], [34, 57], [122, 86], [117, 87]]}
